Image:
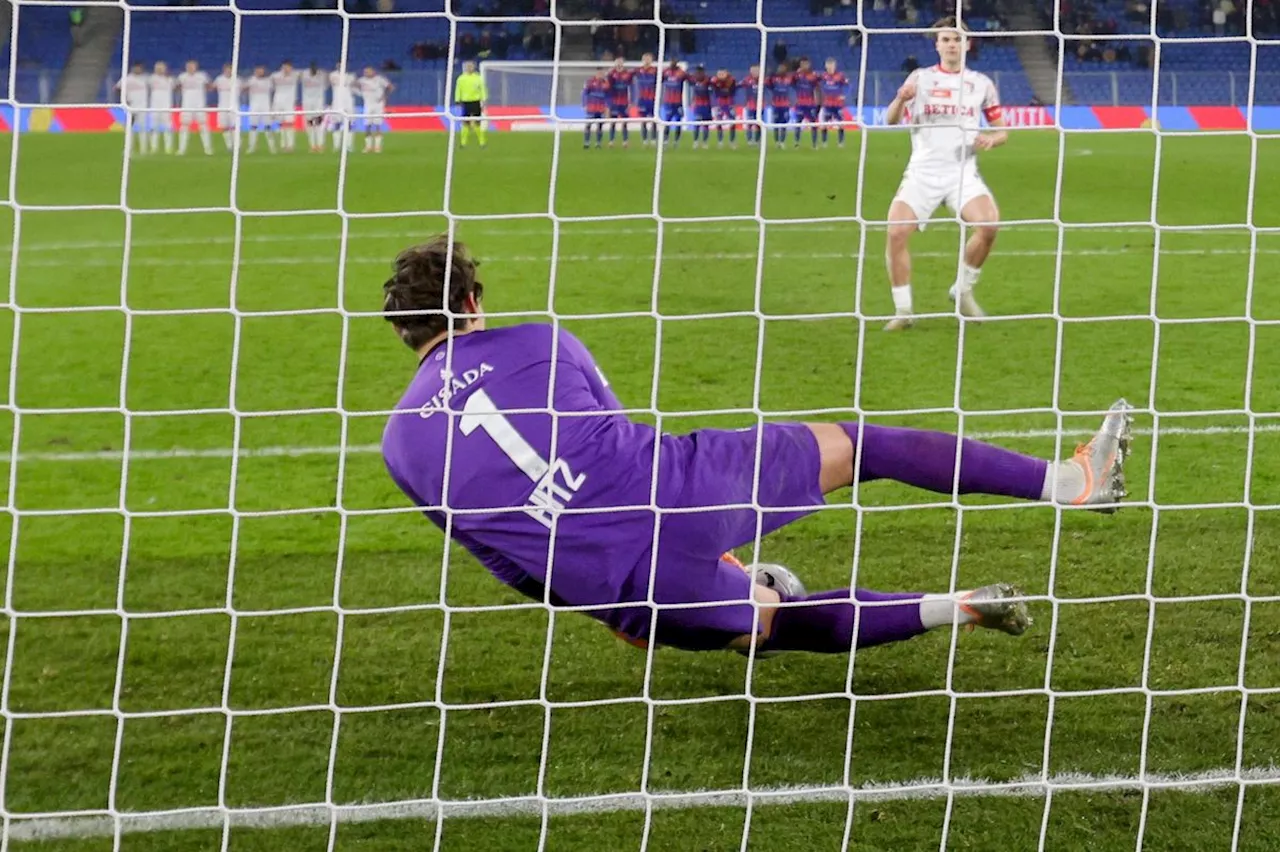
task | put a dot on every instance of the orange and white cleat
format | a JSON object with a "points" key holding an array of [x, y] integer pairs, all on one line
{"points": [[1102, 460], [996, 607]]}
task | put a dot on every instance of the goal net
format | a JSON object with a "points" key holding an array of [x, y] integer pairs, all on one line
{"points": [[226, 628]]}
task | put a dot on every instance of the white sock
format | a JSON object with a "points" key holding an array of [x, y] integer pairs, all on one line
{"points": [[290, 135], [226, 138], [154, 141], [168, 141], [969, 277], [902, 299], [942, 610], [1063, 482], [182, 140], [377, 142], [206, 140], [271, 143], [253, 140]]}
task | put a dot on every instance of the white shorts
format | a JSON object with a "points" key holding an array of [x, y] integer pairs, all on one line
{"points": [[283, 115], [187, 117], [259, 118], [925, 193], [162, 120], [227, 119], [137, 119], [374, 119], [313, 116]]}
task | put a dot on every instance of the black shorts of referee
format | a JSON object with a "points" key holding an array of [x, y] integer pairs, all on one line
{"points": [[471, 109]]}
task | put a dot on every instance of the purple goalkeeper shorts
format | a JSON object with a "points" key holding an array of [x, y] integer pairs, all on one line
{"points": [[718, 509]]}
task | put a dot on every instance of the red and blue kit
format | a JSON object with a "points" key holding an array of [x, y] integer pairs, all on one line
{"points": [[806, 86], [595, 97], [645, 79], [619, 92], [701, 90], [673, 80], [750, 86], [726, 92], [834, 88], [780, 88]]}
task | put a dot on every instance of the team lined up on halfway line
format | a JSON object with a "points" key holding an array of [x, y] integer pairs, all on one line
{"points": [[272, 106], [796, 98]]}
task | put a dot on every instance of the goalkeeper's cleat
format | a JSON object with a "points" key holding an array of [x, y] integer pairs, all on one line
{"points": [[995, 608], [965, 302], [901, 322], [1102, 460]]}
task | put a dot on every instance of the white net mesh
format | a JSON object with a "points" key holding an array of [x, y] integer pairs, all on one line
{"points": [[223, 622]]}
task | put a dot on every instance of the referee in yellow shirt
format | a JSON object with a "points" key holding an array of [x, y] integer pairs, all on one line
{"points": [[470, 93]]}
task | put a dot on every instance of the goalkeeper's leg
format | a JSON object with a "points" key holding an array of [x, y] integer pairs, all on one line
{"points": [[837, 621], [800, 463], [787, 618]]}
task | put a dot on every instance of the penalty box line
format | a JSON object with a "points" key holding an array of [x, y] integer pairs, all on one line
{"points": [[365, 449], [78, 826]]}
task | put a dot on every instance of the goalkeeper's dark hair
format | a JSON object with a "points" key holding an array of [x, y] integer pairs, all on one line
{"points": [[414, 297]]}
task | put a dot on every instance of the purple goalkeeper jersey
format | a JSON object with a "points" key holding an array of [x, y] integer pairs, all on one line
{"points": [[474, 436]]}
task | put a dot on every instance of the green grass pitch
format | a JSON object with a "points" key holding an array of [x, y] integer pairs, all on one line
{"points": [[1157, 644]]}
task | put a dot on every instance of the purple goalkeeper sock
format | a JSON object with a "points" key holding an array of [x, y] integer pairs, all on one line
{"points": [[828, 628], [927, 460]]}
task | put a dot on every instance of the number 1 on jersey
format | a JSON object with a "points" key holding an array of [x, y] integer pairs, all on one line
{"points": [[479, 412]]}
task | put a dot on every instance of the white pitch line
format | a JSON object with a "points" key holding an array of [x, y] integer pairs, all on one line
{"points": [[365, 449], [286, 816], [679, 257], [542, 230]]}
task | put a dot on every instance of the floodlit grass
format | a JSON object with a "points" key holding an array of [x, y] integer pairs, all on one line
{"points": [[254, 628]]}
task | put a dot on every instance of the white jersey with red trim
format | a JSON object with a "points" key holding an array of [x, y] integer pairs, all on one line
{"points": [[944, 115]]}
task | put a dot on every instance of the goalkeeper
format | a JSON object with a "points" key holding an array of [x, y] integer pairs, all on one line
{"points": [[565, 508], [470, 93]]}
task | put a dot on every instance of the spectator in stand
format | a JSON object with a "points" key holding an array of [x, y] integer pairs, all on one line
{"points": [[467, 47], [910, 63], [76, 19], [779, 52]]}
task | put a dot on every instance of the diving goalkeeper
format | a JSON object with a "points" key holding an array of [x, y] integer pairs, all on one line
{"points": [[511, 440]]}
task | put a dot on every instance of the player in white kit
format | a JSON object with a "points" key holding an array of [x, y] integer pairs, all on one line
{"points": [[135, 89], [160, 105], [942, 104], [373, 88], [314, 84], [343, 107], [194, 85], [227, 85], [259, 88], [284, 103]]}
